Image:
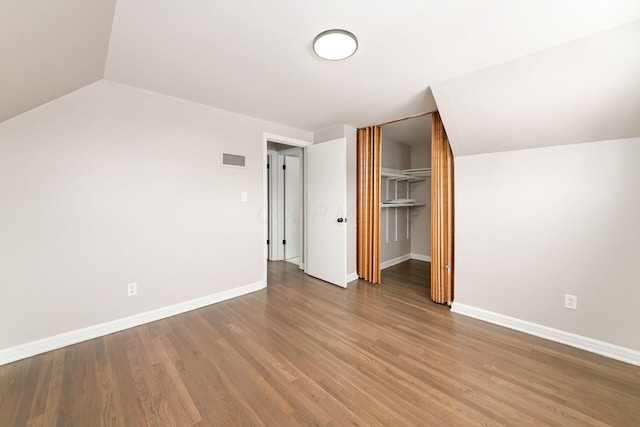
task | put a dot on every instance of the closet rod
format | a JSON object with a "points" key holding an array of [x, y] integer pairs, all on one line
{"points": [[407, 118]]}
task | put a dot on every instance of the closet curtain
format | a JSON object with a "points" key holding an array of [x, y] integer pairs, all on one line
{"points": [[441, 213], [369, 153]]}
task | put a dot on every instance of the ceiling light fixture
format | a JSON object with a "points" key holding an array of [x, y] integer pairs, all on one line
{"points": [[335, 45]]}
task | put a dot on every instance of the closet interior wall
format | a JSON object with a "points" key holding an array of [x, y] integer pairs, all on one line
{"points": [[394, 241], [421, 216]]}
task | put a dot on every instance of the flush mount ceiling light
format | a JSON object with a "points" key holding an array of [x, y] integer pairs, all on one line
{"points": [[335, 45]]}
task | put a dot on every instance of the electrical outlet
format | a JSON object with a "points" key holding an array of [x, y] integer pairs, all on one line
{"points": [[570, 301], [132, 289]]}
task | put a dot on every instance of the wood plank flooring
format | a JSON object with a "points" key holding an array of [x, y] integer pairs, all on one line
{"points": [[303, 352]]}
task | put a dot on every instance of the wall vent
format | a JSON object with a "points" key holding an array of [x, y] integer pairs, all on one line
{"points": [[233, 160]]}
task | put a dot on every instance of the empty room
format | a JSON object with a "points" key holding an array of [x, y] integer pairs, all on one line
{"points": [[218, 213]]}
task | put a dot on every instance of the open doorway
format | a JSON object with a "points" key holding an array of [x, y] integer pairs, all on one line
{"points": [[273, 146], [323, 234], [285, 186]]}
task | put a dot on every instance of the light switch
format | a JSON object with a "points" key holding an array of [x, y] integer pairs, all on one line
{"points": [[243, 196]]}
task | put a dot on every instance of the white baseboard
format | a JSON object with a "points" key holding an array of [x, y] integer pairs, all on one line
{"points": [[403, 258], [33, 348], [394, 261], [589, 344], [351, 277], [419, 257]]}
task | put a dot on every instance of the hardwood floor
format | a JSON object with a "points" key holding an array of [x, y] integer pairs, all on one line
{"points": [[303, 352]]}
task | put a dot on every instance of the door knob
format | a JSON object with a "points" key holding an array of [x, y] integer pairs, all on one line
{"points": [[341, 220]]}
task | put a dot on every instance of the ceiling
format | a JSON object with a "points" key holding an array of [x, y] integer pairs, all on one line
{"points": [[49, 49], [582, 91], [255, 58]]}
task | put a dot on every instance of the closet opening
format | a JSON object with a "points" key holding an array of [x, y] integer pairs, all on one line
{"points": [[405, 195]]}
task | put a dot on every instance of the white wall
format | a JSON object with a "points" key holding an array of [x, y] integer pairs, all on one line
{"points": [[395, 155], [532, 225], [111, 185]]}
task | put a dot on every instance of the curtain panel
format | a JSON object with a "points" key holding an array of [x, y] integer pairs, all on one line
{"points": [[369, 154], [442, 271]]}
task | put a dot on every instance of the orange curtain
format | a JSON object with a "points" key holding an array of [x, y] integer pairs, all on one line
{"points": [[368, 203], [441, 213]]}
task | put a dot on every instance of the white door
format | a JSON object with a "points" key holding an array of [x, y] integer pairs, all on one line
{"points": [[292, 206], [326, 212]]}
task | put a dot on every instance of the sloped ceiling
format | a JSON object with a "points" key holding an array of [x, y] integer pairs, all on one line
{"points": [[254, 57], [582, 91], [49, 49]]}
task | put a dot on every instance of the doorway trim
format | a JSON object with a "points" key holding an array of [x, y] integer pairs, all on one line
{"points": [[266, 137], [272, 206]]}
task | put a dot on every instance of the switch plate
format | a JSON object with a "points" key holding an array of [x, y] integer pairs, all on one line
{"points": [[570, 302], [244, 196], [132, 289]]}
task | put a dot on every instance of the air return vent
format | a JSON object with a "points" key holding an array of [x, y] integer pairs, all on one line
{"points": [[233, 160]]}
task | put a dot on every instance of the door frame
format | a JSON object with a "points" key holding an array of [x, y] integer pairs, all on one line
{"points": [[264, 217], [272, 206], [277, 202], [283, 234]]}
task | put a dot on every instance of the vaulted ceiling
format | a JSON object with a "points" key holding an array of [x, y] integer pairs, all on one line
{"points": [[482, 59], [49, 49]]}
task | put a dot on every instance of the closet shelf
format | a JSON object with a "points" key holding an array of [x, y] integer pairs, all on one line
{"points": [[393, 200], [418, 172], [408, 175], [400, 205]]}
